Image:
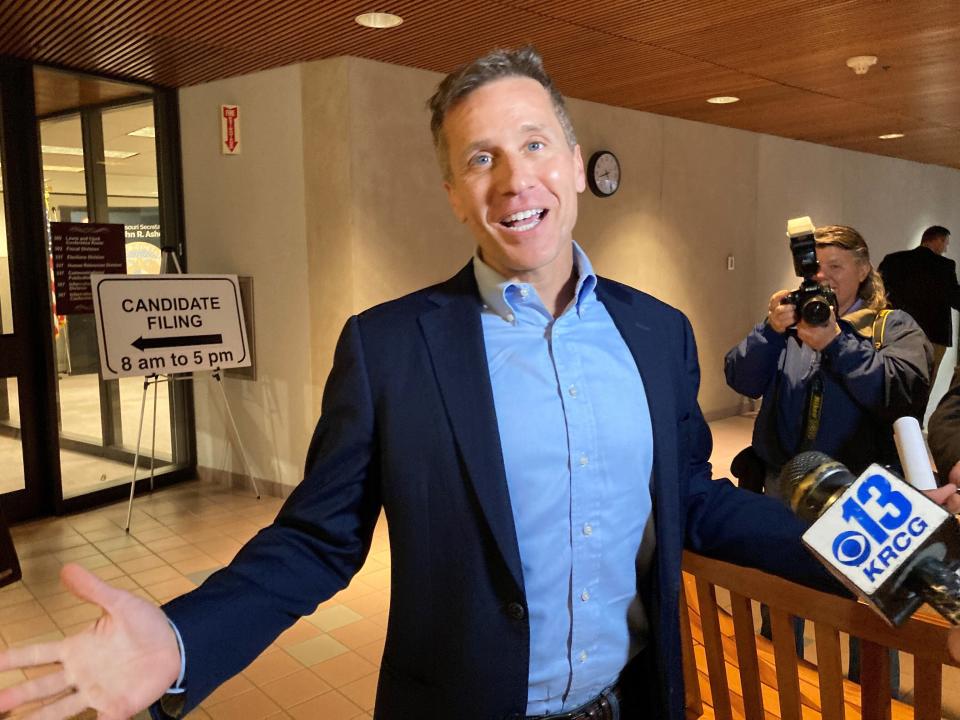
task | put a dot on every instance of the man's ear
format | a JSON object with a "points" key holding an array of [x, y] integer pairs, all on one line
{"points": [[580, 175], [454, 201]]}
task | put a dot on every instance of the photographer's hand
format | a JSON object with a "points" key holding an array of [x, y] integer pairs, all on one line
{"points": [[779, 316], [818, 336]]}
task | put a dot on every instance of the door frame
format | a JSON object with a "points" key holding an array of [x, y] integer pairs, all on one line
{"points": [[27, 353]]}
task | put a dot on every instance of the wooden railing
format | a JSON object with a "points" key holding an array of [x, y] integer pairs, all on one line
{"points": [[731, 673]]}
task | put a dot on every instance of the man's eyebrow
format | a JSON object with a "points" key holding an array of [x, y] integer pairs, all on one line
{"points": [[486, 142], [474, 146]]}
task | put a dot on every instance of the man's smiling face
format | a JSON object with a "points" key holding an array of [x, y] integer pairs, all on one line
{"points": [[514, 179]]}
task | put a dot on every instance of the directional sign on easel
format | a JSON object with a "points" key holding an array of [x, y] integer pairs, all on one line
{"points": [[164, 324]]}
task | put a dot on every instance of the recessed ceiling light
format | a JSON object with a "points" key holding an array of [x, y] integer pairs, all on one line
{"points": [[147, 132], [723, 100], [890, 136], [378, 20]]}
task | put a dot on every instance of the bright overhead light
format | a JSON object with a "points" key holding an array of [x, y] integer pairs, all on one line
{"points": [[378, 20], [723, 100], [147, 132], [890, 136], [61, 150], [63, 168]]}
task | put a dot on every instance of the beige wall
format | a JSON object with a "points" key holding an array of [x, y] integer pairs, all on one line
{"points": [[245, 214], [336, 204]]}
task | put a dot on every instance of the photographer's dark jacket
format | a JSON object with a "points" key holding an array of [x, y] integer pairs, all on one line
{"points": [[863, 389]]}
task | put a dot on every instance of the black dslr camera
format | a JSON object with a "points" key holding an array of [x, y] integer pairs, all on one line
{"points": [[812, 300]]}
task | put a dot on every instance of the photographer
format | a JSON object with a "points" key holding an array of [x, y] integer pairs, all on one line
{"points": [[836, 387]]}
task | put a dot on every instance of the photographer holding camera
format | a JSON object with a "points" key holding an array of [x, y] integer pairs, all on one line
{"points": [[837, 385], [835, 372]]}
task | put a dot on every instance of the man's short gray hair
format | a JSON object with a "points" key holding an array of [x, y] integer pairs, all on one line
{"points": [[498, 64]]}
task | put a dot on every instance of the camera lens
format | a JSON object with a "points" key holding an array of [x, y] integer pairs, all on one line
{"points": [[816, 311]]}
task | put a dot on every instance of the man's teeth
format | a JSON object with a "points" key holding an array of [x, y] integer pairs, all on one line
{"points": [[523, 214], [518, 217]]}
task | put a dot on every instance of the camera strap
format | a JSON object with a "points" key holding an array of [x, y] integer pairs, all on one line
{"points": [[815, 401], [814, 408], [878, 327]]}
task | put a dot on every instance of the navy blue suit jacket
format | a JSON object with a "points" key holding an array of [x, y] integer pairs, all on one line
{"points": [[408, 425]]}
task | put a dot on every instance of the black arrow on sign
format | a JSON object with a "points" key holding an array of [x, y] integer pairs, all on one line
{"points": [[142, 343]]}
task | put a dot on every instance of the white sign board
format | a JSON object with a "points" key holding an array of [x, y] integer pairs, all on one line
{"points": [[165, 324]]}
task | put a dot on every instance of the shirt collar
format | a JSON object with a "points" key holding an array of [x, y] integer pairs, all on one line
{"points": [[493, 286], [857, 304]]}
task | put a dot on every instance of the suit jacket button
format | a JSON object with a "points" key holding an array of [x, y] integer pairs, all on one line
{"points": [[516, 611]]}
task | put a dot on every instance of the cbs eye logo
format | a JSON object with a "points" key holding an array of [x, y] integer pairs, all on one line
{"points": [[851, 548]]}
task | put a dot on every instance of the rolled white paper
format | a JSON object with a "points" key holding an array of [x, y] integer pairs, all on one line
{"points": [[913, 453]]}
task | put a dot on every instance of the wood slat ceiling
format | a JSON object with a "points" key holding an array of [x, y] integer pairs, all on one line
{"points": [[784, 58]]}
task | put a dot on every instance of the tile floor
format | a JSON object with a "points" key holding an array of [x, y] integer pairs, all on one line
{"points": [[323, 668]]}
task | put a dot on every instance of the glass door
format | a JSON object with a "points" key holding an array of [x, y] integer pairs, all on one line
{"points": [[12, 478], [100, 165], [81, 150], [29, 473]]}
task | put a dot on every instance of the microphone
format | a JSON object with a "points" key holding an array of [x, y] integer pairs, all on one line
{"points": [[913, 453], [885, 540]]}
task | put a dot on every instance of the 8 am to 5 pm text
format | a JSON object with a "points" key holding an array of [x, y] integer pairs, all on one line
{"points": [[177, 362]]}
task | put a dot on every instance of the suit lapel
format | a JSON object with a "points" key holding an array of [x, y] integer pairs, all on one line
{"points": [[454, 337], [646, 340]]}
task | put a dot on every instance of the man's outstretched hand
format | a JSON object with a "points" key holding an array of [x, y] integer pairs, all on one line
{"points": [[118, 666]]}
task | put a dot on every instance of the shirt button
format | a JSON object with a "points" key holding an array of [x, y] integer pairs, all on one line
{"points": [[572, 390], [524, 292], [510, 318], [587, 529], [585, 595], [583, 460], [582, 656]]}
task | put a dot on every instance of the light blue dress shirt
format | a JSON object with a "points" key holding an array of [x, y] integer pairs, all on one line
{"points": [[578, 452]]}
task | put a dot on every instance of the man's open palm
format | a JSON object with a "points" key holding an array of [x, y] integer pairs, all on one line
{"points": [[118, 666]]}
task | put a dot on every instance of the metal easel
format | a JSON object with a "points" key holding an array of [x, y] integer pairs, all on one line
{"points": [[156, 379]]}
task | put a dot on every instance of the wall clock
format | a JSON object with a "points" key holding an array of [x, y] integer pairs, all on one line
{"points": [[603, 173]]}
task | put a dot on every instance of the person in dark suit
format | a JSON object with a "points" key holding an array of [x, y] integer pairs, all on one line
{"points": [[944, 435], [924, 284], [532, 433]]}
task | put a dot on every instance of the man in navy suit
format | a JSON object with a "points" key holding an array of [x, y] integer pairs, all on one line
{"points": [[532, 433], [924, 283]]}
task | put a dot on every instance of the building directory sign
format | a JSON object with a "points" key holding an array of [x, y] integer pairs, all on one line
{"points": [[77, 250], [165, 324]]}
